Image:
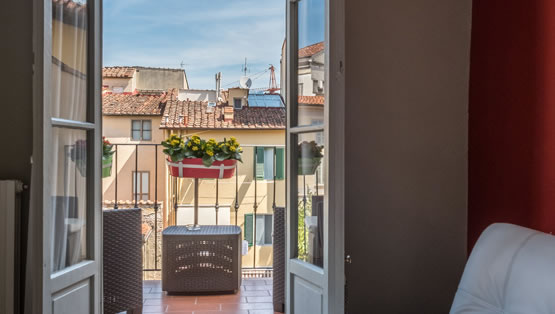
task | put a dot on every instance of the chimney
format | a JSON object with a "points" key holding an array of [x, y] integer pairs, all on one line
{"points": [[218, 83], [228, 113]]}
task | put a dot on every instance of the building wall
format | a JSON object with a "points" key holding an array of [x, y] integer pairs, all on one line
{"points": [[406, 68], [238, 93], [117, 130], [128, 84], [512, 115], [160, 78], [227, 187], [197, 95]]}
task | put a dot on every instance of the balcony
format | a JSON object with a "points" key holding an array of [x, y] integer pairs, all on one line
{"points": [[247, 200], [255, 296]]}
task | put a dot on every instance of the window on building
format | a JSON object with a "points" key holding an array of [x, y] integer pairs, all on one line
{"points": [[264, 229], [141, 130], [300, 91], [237, 103], [264, 157], [142, 191]]}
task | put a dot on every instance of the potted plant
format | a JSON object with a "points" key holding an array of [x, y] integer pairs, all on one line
{"points": [[198, 158], [310, 157], [107, 153]]}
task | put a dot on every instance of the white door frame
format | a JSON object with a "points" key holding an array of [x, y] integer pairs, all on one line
{"points": [[45, 283], [330, 278]]}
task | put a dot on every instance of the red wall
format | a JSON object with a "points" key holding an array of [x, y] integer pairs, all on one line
{"points": [[512, 115]]}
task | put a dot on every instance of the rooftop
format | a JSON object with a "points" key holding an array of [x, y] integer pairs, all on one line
{"points": [[129, 71], [311, 100], [148, 103], [195, 114], [311, 50]]}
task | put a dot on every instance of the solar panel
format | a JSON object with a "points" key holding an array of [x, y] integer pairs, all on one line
{"points": [[265, 101]]}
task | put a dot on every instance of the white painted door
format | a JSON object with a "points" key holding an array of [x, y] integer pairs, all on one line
{"points": [[314, 89], [67, 151]]}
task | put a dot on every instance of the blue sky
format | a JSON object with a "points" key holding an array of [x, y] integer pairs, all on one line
{"points": [[207, 35]]}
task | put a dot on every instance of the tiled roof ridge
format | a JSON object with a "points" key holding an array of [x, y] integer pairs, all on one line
{"points": [[311, 49], [139, 67], [311, 100]]}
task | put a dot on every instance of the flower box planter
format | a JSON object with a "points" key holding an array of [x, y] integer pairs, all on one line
{"points": [[308, 166], [194, 168], [106, 167]]}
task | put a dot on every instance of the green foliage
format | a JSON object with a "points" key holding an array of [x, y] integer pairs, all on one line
{"points": [[302, 235], [107, 151], [310, 150], [208, 150]]}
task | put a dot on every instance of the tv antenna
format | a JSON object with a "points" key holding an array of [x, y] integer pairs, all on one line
{"points": [[182, 64], [245, 69]]}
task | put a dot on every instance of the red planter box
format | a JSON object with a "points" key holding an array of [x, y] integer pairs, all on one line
{"points": [[194, 168]]}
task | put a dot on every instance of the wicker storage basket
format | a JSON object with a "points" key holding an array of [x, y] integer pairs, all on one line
{"points": [[279, 260], [205, 260], [123, 258]]}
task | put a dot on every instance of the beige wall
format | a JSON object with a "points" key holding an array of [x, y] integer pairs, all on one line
{"points": [[117, 130], [246, 187], [238, 93], [160, 78], [128, 84], [407, 69]]}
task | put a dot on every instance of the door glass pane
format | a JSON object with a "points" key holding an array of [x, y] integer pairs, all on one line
{"points": [[310, 199], [68, 175], [311, 62], [69, 60]]}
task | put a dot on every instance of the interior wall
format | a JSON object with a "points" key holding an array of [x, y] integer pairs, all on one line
{"points": [[16, 132], [407, 72], [512, 115]]}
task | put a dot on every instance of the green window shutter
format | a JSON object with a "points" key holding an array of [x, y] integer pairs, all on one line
{"points": [[249, 225], [259, 165], [280, 163]]}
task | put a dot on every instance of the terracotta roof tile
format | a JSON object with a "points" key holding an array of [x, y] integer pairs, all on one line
{"points": [[311, 100], [194, 114], [118, 72], [151, 104], [311, 50]]}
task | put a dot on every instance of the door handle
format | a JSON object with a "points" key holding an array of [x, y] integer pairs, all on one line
{"points": [[348, 259]]}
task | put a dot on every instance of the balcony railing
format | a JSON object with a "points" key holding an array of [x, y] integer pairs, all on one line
{"points": [[249, 190]]}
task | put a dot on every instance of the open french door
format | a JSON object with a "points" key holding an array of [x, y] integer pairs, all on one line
{"points": [[67, 247], [315, 137]]}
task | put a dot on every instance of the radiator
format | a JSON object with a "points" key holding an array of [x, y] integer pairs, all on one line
{"points": [[10, 203]]}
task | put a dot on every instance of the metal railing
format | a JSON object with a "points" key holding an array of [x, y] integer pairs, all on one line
{"points": [[136, 202]]}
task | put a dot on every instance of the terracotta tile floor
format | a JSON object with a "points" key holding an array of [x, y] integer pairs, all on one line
{"points": [[255, 297]]}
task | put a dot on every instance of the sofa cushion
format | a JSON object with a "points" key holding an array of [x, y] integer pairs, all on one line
{"points": [[511, 270]]}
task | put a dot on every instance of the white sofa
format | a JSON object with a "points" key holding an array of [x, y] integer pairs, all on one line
{"points": [[511, 270]]}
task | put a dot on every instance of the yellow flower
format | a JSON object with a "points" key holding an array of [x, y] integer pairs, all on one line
{"points": [[240, 150], [195, 148], [197, 141], [210, 153], [175, 142], [233, 138], [232, 148], [189, 144]]}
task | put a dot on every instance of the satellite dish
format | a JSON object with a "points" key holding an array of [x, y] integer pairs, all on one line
{"points": [[245, 82]]}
